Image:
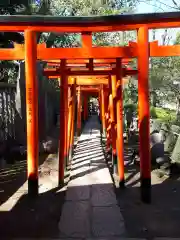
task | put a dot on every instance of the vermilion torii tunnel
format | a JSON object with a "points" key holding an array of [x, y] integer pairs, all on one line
{"points": [[92, 70]]}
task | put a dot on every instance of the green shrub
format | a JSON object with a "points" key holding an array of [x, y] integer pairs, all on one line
{"points": [[153, 112], [130, 106], [166, 115]]}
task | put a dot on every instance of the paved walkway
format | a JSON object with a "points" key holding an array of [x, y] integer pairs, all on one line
{"points": [[90, 209]]}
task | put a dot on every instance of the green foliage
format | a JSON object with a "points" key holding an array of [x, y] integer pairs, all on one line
{"points": [[164, 79], [8, 71], [175, 157], [153, 112], [177, 40], [90, 8], [27, 7], [165, 115], [11, 7], [67, 40], [130, 93], [164, 73], [72, 8], [132, 107]]}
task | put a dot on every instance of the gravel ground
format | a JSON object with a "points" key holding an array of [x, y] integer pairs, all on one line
{"points": [[159, 219], [21, 217]]}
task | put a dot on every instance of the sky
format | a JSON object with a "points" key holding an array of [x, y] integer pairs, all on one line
{"points": [[158, 6], [146, 6]]}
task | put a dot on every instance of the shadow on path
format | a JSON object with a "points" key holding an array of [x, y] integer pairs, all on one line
{"points": [[159, 219]]}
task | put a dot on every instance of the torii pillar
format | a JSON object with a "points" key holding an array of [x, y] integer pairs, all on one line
{"points": [[144, 113], [79, 105], [70, 116], [31, 111], [63, 122], [114, 123], [73, 117], [103, 110], [109, 120], [85, 113], [119, 118]]}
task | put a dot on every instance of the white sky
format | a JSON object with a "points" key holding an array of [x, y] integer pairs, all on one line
{"points": [[146, 6]]}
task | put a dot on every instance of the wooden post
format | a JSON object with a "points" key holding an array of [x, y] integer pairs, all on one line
{"points": [[31, 111], [108, 135], [144, 114], [119, 117], [113, 123], [109, 132], [100, 107], [70, 115], [73, 117], [103, 109], [106, 108], [85, 107], [79, 99], [63, 122]]}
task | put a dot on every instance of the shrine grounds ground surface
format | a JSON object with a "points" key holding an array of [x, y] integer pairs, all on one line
{"points": [[21, 217], [160, 218], [28, 218]]}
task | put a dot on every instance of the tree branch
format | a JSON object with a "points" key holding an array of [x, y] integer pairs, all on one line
{"points": [[175, 3]]}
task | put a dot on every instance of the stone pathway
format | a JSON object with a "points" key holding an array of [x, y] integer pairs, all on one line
{"points": [[90, 210]]}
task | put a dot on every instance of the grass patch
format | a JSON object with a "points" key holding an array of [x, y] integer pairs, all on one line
{"points": [[166, 115]]}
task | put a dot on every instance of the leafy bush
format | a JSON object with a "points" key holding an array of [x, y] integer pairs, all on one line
{"points": [[153, 112], [166, 115], [130, 106]]}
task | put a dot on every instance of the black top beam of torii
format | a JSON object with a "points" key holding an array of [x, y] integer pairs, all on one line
{"points": [[45, 20], [122, 19]]}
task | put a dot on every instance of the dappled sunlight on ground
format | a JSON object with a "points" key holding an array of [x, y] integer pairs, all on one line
{"points": [[160, 218], [88, 204]]}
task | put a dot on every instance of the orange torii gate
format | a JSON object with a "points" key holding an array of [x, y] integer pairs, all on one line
{"points": [[141, 50], [115, 142]]}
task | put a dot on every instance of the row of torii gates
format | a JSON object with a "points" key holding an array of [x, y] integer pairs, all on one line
{"points": [[89, 70]]}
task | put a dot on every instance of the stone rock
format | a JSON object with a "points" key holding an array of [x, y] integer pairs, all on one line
{"points": [[50, 145], [170, 142], [155, 138], [15, 153], [155, 125], [165, 127], [164, 131], [175, 128], [21, 149], [175, 157], [174, 168], [157, 148], [169, 137]]}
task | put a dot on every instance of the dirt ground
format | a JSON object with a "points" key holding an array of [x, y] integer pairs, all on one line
{"points": [[37, 217], [22, 217], [161, 218]]}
